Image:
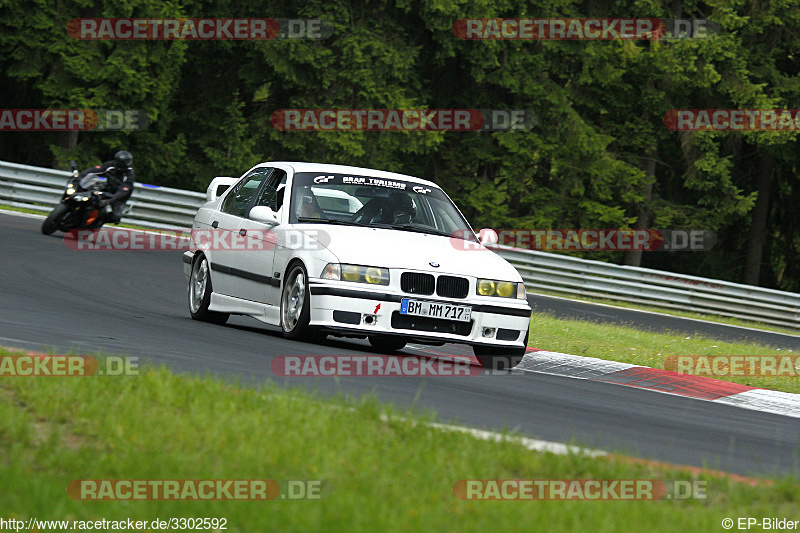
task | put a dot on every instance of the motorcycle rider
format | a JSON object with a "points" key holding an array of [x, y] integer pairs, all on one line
{"points": [[119, 182]]}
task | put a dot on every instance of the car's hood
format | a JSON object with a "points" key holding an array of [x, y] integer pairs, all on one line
{"points": [[411, 251]]}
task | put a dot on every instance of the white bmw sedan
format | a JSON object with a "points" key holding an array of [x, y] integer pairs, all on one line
{"points": [[322, 249]]}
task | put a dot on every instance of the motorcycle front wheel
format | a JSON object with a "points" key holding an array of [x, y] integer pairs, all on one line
{"points": [[53, 220]]}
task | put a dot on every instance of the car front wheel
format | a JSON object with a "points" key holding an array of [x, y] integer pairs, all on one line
{"points": [[296, 306], [200, 294]]}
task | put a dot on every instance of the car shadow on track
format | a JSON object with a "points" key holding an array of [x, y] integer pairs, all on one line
{"points": [[350, 345]]}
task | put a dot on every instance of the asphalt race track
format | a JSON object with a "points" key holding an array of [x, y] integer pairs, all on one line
{"points": [[134, 303]]}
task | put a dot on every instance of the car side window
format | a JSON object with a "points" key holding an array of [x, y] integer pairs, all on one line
{"points": [[238, 200], [272, 193]]}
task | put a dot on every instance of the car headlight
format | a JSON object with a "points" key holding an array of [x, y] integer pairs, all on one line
{"points": [[486, 287], [506, 289], [376, 276], [70, 190], [356, 273], [350, 273], [503, 289]]}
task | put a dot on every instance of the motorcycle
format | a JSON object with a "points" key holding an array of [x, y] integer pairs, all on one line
{"points": [[80, 206]]}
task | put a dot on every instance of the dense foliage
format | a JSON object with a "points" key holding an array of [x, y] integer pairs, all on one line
{"points": [[600, 155]]}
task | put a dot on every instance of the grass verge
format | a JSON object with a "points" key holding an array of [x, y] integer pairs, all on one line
{"points": [[731, 321], [616, 342], [385, 475]]}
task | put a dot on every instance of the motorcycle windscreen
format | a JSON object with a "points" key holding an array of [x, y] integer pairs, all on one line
{"points": [[92, 181]]}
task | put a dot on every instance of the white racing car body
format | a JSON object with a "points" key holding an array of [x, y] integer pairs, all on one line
{"points": [[327, 249]]}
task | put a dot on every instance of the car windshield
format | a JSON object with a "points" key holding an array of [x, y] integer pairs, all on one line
{"points": [[375, 202]]}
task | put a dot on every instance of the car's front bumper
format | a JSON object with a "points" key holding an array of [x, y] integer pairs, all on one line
{"points": [[349, 308]]}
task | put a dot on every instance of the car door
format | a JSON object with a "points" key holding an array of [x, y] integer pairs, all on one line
{"points": [[258, 257], [226, 243]]}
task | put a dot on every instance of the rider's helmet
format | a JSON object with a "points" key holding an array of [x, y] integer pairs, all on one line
{"points": [[400, 208], [123, 159]]}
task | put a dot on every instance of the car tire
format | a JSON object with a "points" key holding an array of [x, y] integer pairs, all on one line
{"points": [[495, 358], [51, 223], [387, 344], [296, 305], [200, 293]]}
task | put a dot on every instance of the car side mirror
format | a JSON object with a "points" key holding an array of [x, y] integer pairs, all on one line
{"points": [[488, 237], [262, 213]]}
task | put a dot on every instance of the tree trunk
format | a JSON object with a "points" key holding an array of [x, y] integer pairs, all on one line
{"points": [[758, 224], [66, 140], [634, 257]]}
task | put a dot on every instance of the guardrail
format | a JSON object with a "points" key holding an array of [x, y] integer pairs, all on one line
{"points": [[567, 275], [164, 207], [152, 206]]}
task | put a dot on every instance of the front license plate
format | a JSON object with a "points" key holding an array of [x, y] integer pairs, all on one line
{"points": [[460, 313]]}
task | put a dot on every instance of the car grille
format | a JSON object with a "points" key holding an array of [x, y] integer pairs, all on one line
{"points": [[424, 323], [415, 283], [447, 286], [452, 287]]}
